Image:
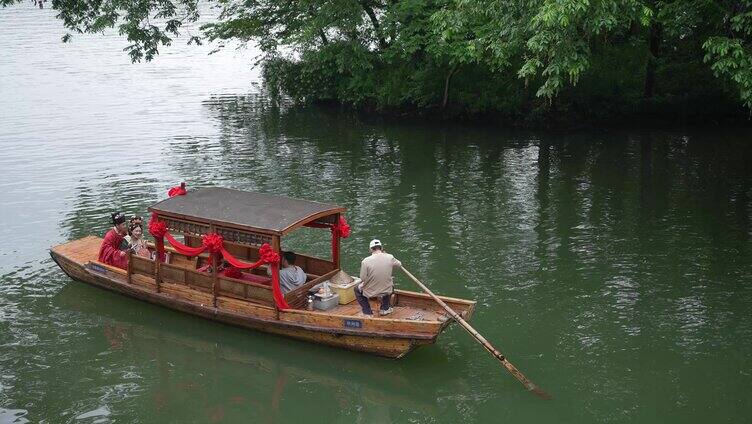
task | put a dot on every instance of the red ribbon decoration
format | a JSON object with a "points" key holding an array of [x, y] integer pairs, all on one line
{"points": [[177, 190], [214, 243], [183, 249], [266, 256], [157, 228]]}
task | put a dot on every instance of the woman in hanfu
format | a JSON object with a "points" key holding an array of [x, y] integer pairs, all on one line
{"points": [[109, 251]]}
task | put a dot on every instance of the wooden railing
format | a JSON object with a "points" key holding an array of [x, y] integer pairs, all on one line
{"points": [[143, 266], [246, 290], [182, 270], [179, 272], [194, 279]]}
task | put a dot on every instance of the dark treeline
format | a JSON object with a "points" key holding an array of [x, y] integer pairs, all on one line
{"points": [[533, 62]]}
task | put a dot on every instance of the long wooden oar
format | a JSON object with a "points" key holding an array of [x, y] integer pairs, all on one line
{"points": [[529, 385]]}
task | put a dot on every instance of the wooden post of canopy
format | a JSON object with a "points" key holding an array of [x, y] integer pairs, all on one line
{"points": [[157, 259], [130, 266], [277, 247], [215, 273], [158, 274], [335, 244], [158, 267]]}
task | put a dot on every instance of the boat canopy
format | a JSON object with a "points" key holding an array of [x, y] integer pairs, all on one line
{"points": [[244, 210]]}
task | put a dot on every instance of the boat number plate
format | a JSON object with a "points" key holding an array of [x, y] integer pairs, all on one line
{"points": [[97, 268], [353, 323]]}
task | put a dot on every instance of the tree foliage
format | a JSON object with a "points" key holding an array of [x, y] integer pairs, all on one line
{"points": [[486, 55]]}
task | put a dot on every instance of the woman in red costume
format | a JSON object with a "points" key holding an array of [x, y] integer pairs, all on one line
{"points": [[110, 252]]}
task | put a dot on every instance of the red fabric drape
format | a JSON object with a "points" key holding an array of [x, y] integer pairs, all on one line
{"points": [[215, 244], [279, 298], [177, 190], [183, 249], [266, 256]]}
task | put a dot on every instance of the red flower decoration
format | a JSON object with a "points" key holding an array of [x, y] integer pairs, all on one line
{"points": [[342, 228], [213, 241], [157, 228], [267, 255]]}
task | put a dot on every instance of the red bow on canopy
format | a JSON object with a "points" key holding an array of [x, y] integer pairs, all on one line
{"points": [[177, 190], [341, 228]]}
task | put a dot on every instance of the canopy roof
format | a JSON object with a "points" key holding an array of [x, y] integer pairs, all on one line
{"points": [[260, 212]]}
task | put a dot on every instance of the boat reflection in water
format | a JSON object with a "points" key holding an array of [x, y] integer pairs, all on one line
{"points": [[190, 369]]}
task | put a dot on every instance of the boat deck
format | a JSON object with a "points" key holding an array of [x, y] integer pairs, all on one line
{"points": [[82, 250], [400, 312]]}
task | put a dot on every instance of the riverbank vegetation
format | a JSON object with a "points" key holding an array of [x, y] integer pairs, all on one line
{"points": [[532, 62]]}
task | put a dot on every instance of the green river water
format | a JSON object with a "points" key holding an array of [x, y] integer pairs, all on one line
{"points": [[613, 267]]}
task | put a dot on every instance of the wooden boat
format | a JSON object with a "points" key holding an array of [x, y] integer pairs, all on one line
{"points": [[248, 223]]}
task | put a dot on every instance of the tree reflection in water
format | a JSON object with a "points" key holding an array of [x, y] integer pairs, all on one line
{"points": [[588, 253]]}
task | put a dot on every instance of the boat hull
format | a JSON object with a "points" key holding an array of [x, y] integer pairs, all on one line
{"points": [[391, 345]]}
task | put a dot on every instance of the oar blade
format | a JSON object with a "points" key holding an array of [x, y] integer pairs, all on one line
{"points": [[529, 385]]}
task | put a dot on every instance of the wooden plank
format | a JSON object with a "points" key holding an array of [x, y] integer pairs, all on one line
{"points": [[232, 288], [110, 268], [129, 270], [375, 324], [400, 312], [140, 265], [350, 309], [245, 289], [185, 292], [80, 251], [144, 281], [198, 279], [424, 302], [183, 261], [172, 273], [245, 307]]}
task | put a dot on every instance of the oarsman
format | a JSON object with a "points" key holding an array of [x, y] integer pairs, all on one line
{"points": [[376, 273], [110, 252]]}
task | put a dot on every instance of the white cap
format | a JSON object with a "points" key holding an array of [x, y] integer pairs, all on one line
{"points": [[374, 243]]}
